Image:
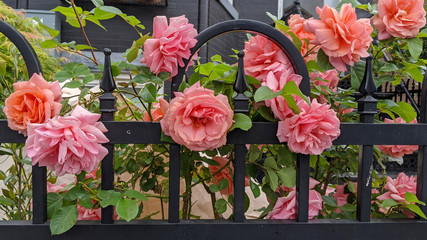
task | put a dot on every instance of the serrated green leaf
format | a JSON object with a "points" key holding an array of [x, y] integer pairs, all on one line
{"points": [[51, 43], [135, 194], [149, 93], [241, 121], [66, 11], [415, 46], [73, 84], [221, 205], [54, 202], [214, 188], [63, 75], [270, 162], [411, 198], [414, 208], [127, 209], [264, 93], [273, 179], [132, 54], [287, 176], [330, 201], [109, 198], [389, 203], [63, 219], [76, 193], [80, 70], [389, 67], [405, 111], [414, 73]]}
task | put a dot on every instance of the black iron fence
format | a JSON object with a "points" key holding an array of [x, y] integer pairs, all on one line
{"points": [[366, 134]]}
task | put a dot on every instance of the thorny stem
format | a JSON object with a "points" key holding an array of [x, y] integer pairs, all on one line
{"points": [[140, 100], [78, 53], [127, 104], [83, 31], [309, 51]]}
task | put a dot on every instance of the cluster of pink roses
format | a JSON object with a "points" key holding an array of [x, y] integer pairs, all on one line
{"points": [[64, 144]]}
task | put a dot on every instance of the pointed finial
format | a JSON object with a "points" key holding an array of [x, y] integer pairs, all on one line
{"points": [[368, 87], [107, 82], [241, 102], [298, 7], [240, 85]]}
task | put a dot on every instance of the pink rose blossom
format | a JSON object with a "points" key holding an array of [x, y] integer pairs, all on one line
{"points": [[312, 130], [53, 188], [399, 18], [296, 23], [397, 150], [88, 214], [68, 144], [262, 57], [341, 36], [398, 187], [285, 207], [169, 44], [198, 119], [158, 111], [276, 82], [34, 101]]}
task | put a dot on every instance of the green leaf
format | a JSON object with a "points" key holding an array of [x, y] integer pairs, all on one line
{"points": [[270, 162], [81, 70], [273, 179], [6, 201], [86, 203], [354, 3], [415, 46], [264, 93], [165, 138], [110, 9], [76, 193], [223, 184], [63, 75], [405, 111], [83, 47], [132, 54], [330, 201], [411, 198], [73, 84], [389, 67], [127, 209], [95, 20], [63, 219], [149, 93], [312, 65], [241, 121], [52, 32], [348, 207], [66, 11], [103, 15], [323, 60], [389, 203], [292, 88], [214, 188], [290, 101], [357, 73], [98, 3], [284, 156], [351, 187], [267, 113], [51, 43], [109, 197], [255, 189], [54, 202], [415, 73], [414, 208], [221, 205], [88, 78], [252, 80], [183, 86], [296, 40], [287, 176], [135, 194]]}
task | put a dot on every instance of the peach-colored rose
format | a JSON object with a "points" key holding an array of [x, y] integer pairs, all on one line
{"points": [[276, 82], [68, 144], [198, 119], [296, 23], [399, 18], [397, 188], [397, 150], [34, 101], [329, 79], [312, 130], [169, 44], [158, 111], [341, 36], [263, 56], [285, 207]]}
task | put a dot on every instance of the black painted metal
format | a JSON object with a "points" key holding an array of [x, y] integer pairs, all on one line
{"points": [[39, 173], [107, 109], [241, 102], [422, 152], [174, 171], [302, 187], [367, 108]]}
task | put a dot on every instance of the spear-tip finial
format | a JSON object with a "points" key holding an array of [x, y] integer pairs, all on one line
{"points": [[368, 87], [240, 86], [107, 83]]}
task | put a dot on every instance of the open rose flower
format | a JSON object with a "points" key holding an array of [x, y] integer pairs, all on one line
{"points": [[312, 130], [34, 101], [397, 150], [262, 57], [296, 23], [198, 119], [88, 214], [399, 18], [341, 36], [397, 188], [68, 144], [276, 82], [285, 207], [169, 44], [158, 111]]}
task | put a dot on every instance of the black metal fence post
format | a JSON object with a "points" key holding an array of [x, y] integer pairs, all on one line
{"points": [[422, 152], [367, 108], [241, 105], [107, 108]]}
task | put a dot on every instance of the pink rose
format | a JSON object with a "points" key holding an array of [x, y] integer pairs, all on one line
{"points": [[88, 214], [397, 150], [296, 23], [34, 101], [158, 111], [398, 187], [312, 130], [276, 82], [53, 188], [341, 36], [68, 144], [198, 119], [285, 207], [169, 44], [263, 56], [399, 18]]}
